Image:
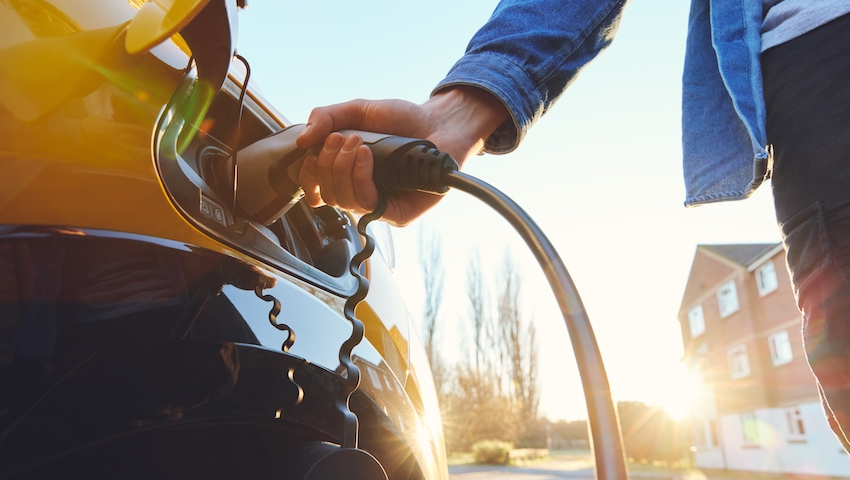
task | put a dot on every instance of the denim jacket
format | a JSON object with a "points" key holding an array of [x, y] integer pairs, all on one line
{"points": [[527, 56]]}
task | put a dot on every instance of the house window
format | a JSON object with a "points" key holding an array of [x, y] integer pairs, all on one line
{"points": [[696, 321], [794, 422], [750, 429], [705, 433], [727, 299], [780, 348], [766, 278], [712, 433], [739, 364]]}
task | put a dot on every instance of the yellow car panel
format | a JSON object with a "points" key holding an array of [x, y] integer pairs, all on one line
{"points": [[159, 19], [84, 126]]}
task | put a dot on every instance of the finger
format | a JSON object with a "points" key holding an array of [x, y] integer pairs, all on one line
{"points": [[324, 167], [364, 188], [310, 182], [293, 171], [324, 120], [405, 207], [343, 167]]}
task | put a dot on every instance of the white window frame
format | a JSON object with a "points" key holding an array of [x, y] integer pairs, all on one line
{"points": [[727, 299], [739, 362], [713, 435], [705, 433], [780, 348], [696, 321], [766, 278], [795, 424], [750, 429]]}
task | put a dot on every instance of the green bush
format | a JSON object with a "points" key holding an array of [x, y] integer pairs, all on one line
{"points": [[492, 452]]}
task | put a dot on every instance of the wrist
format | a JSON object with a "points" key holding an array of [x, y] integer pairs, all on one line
{"points": [[471, 114]]}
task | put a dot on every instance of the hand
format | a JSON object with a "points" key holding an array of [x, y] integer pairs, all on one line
{"points": [[457, 121]]}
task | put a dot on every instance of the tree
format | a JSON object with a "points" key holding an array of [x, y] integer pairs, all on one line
{"points": [[518, 344], [433, 273], [475, 410], [495, 395], [431, 261], [478, 312]]}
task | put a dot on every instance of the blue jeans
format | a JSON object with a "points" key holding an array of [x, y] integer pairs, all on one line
{"points": [[808, 122]]}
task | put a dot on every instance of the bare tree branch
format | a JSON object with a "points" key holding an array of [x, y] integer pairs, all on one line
{"points": [[495, 395], [433, 273], [478, 311]]}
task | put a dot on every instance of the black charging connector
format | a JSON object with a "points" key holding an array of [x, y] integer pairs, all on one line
{"points": [[418, 167]]}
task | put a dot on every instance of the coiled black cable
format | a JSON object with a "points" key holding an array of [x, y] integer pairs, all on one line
{"points": [[351, 427]]}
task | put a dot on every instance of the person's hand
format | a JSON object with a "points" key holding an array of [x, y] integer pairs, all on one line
{"points": [[457, 121]]}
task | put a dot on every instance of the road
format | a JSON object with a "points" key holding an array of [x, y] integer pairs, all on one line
{"points": [[580, 470], [548, 471]]}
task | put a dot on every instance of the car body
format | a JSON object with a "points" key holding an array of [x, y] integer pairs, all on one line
{"points": [[132, 341]]}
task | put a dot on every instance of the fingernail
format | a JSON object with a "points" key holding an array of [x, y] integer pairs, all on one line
{"points": [[360, 161], [350, 143], [306, 130], [334, 142]]}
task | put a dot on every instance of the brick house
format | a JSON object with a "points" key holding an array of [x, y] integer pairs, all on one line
{"points": [[759, 408]]}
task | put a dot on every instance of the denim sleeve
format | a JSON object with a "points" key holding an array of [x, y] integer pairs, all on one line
{"points": [[529, 52]]}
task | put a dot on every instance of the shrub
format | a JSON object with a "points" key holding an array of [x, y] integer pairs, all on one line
{"points": [[492, 452]]}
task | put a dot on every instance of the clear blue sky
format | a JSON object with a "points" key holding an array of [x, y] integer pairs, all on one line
{"points": [[601, 173]]}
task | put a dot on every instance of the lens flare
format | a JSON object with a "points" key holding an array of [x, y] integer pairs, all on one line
{"points": [[681, 393]]}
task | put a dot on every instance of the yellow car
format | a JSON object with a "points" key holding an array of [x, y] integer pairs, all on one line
{"points": [[138, 335]]}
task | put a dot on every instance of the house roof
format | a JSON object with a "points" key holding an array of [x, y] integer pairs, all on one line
{"points": [[743, 253], [726, 258]]}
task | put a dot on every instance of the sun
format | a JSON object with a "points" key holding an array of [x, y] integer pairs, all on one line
{"points": [[681, 392]]}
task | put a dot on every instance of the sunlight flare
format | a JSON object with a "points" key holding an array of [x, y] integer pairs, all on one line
{"points": [[681, 392]]}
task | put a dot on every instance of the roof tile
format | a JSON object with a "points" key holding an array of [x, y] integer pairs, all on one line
{"points": [[742, 253]]}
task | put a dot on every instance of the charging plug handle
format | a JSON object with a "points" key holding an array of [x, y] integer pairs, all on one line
{"points": [[268, 170], [408, 164]]}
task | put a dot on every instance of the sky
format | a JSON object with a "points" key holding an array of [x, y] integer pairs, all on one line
{"points": [[600, 173]]}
